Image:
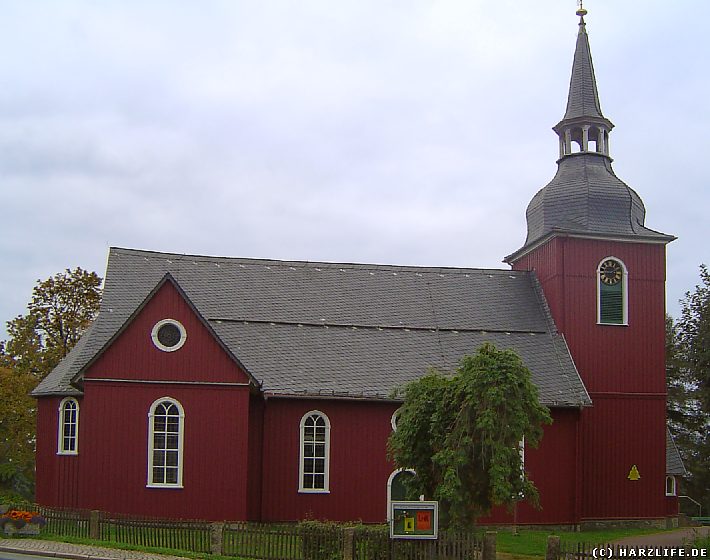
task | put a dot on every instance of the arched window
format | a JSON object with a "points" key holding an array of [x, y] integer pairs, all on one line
{"points": [[396, 489], [314, 460], [671, 486], [166, 426], [612, 297], [393, 420], [68, 438]]}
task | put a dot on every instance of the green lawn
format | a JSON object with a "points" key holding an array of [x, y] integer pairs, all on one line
{"points": [[534, 543]]}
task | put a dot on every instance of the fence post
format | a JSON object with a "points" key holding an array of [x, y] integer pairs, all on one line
{"points": [[94, 525], [553, 548], [489, 546], [216, 538], [349, 543]]}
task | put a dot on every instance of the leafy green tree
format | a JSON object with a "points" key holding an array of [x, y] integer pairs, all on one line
{"points": [[462, 434], [17, 432], [680, 402], [694, 337], [688, 373], [61, 309]]}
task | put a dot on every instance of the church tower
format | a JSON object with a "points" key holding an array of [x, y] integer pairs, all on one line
{"points": [[603, 274]]}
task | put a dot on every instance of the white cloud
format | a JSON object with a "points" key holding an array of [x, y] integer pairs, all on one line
{"points": [[411, 133]]}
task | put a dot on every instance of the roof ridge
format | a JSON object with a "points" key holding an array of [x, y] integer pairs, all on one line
{"points": [[374, 327], [313, 264]]}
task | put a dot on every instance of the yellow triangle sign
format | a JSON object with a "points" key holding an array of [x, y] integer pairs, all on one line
{"points": [[634, 473]]}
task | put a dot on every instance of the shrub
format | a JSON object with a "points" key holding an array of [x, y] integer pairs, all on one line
{"points": [[322, 540]]}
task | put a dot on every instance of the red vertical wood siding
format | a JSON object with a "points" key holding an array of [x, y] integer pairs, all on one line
{"points": [[359, 470], [621, 432], [608, 357], [256, 445], [114, 451], [134, 356], [553, 468], [57, 475], [623, 368], [358, 464]]}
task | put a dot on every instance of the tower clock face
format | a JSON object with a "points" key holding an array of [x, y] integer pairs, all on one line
{"points": [[610, 272]]}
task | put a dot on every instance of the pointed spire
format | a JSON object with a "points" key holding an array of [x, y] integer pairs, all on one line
{"points": [[585, 198], [583, 99], [583, 125]]}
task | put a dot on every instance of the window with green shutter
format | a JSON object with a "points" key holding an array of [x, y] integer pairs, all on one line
{"points": [[612, 296]]}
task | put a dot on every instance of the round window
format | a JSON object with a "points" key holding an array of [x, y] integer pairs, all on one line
{"points": [[169, 335]]}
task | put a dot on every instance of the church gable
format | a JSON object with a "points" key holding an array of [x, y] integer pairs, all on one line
{"points": [[166, 340]]}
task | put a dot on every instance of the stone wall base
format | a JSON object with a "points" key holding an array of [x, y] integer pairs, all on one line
{"points": [[594, 524], [659, 523]]}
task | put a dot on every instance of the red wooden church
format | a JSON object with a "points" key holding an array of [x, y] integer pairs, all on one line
{"points": [[246, 389]]}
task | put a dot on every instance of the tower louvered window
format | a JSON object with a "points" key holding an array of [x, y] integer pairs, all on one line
{"points": [[612, 292]]}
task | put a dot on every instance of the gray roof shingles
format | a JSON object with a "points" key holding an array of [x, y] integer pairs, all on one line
{"points": [[340, 329], [674, 462], [583, 99], [586, 197]]}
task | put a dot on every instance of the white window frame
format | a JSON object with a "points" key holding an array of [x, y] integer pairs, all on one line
{"points": [[61, 424], [521, 452], [159, 345], [393, 419], [151, 443], [624, 294], [674, 485], [390, 480], [301, 457]]}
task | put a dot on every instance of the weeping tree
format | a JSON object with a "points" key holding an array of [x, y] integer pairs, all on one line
{"points": [[462, 433]]}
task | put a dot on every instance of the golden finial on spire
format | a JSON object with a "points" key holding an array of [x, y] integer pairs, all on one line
{"points": [[581, 12]]}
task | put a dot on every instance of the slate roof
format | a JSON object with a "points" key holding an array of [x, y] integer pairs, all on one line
{"points": [[674, 462], [585, 197], [583, 98], [349, 330]]}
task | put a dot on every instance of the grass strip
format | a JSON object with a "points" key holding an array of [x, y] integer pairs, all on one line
{"points": [[534, 542]]}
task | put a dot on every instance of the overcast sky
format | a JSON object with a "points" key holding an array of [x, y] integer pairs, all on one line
{"points": [[408, 132]]}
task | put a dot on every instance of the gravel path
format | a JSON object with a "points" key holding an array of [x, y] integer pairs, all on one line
{"points": [[76, 551], [668, 538]]}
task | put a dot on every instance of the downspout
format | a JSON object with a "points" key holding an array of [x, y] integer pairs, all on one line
{"points": [[578, 469]]}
